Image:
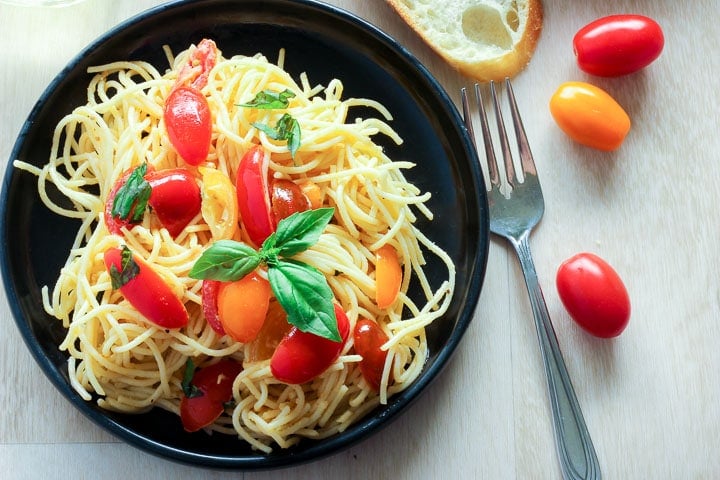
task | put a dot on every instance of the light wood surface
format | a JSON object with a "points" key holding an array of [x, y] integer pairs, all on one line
{"points": [[651, 397]]}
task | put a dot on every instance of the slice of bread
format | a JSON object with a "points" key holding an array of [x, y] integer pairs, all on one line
{"points": [[483, 39]]}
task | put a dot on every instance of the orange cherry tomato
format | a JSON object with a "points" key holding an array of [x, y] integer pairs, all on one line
{"points": [[212, 389], [243, 306], [594, 295], [388, 276], [302, 356], [146, 290], [312, 192], [272, 332], [368, 337], [286, 198], [589, 115]]}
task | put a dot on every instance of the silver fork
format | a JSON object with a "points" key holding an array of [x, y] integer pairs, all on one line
{"points": [[513, 214]]}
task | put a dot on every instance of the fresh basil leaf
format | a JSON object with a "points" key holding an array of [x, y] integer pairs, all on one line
{"points": [[132, 197], [305, 295], [227, 261], [286, 128], [188, 388], [270, 100], [129, 269], [301, 230]]}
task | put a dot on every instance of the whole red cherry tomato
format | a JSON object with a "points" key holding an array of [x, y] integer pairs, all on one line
{"points": [[253, 196], [302, 356], [189, 123], [175, 198], [618, 44], [145, 289], [594, 295], [211, 388], [368, 337]]}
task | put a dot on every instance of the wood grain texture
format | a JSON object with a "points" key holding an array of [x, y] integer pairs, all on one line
{"points": [[651, 397]]}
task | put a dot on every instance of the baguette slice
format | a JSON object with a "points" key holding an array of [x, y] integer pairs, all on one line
{"points": [[483, 39]]}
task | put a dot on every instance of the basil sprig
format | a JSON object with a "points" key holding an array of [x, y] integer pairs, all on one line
{"points": [[286, 128], [132, 197], [129, 269], [301, 289]]}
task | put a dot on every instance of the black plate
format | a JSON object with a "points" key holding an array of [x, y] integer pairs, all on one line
{"points": [[326, 43]]}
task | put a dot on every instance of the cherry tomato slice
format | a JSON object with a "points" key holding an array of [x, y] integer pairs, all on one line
{"points": [[618, 45], [243, 306], [115, 224], [189, 123], [368, 337], [272, 332], [286, 198], [589, 115], [175, 198], [302, 356], [210, 290], [148, 292], [214, 385], [388, 276], [202, 59], [252, 195], [219, 203], [594, 295]]}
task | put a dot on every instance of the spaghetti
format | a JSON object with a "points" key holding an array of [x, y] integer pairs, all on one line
{"points": [[127, 364]]}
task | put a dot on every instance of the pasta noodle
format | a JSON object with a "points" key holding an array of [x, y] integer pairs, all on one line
{"points": [[128, 364]]}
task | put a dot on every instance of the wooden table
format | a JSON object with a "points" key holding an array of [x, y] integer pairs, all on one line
{"points": [[651, 397]]}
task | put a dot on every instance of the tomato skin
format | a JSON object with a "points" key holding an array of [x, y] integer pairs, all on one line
{"points": [[302, 356], [589, 115], [618, 45], [215, 382], [594, 295], [209, 293], [368, 337], [175, 198], [388, 276], [149, 294], [252, 195], [189, 123], [243, 305], [286, 198]]}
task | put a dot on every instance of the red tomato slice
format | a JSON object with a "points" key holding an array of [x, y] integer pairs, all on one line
{"points": [[214, 384], [618, 45], [252, 194], [594, 295], [202, 59], [210, 290], [148, 293], [175, 198], [302, 356], [189, 123], [368, 337], [115, 224]]}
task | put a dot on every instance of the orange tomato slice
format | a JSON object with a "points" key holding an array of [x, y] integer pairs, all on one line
{"points": [[388, 276]]}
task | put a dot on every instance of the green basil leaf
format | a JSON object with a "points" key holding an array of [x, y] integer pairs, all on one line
{"points": [[227, 261], [301, 230], [286, 128], [270, 100], [188, 388], [129, 269], [132, 197], [305, 295]]}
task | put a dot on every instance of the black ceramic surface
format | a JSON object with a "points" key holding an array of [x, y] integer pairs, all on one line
{"points": [[326, 43]]}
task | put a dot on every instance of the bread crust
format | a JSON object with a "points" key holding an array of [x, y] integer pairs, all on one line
{"points": [[497, 66]]}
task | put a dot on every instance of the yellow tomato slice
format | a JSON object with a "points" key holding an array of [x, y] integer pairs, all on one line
{"points": [[219, 204], [388, 276]]}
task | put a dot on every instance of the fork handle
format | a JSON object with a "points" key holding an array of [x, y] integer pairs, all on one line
{"points": [[574, 445]]}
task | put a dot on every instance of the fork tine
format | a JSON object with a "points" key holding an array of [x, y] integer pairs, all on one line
{"points": [[526, 158], [502, 135], [487, 140]]}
